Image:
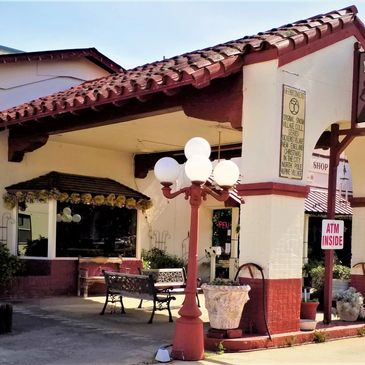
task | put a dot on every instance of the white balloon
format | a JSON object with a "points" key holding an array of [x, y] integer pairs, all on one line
{"points": [[59, 217], [66, 211], [76, 218]]}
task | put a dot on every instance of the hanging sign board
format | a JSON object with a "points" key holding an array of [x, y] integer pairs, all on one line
{"points": [[292, 133], [332, 234]]}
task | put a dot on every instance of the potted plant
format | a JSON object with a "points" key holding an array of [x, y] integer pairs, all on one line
{"points": [[341, 276], [224, 301], [308, 309], [350, 305]]}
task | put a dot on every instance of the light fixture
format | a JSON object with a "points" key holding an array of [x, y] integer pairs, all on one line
{"points": [[188, 342]]}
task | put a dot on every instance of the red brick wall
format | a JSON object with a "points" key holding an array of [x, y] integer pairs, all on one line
{"points": [[283, 298], [57, 277]]}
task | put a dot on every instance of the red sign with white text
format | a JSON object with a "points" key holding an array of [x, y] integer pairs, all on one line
{"points": [[332, 234]]}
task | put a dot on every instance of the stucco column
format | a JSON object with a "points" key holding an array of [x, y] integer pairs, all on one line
{"points": [[271, 236], [358, 245], [355, 155], [52, 228]]}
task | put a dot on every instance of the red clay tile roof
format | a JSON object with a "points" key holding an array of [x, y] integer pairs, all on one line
{"points": [[91, 54], [196, 68]]}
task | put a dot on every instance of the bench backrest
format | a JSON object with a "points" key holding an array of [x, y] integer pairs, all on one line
{"points": [[130, 285], [172, 277], [94, 266]]}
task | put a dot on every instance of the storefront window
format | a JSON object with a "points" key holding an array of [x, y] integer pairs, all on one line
{"points": [[95, 231]]}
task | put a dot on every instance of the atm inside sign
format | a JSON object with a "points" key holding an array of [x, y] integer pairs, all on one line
{"points": [[332, 234]]}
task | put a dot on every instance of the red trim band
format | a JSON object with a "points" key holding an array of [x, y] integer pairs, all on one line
{"points": [[358, 202], [272, 188]]}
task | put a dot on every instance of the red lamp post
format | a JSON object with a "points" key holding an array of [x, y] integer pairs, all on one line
{"points": [[188, 342]]}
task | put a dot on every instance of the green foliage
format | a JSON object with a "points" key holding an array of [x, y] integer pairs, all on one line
{"points": [[317, 273], [290, 340], [159, 259], [9, 265], [220, 281], [361, 331], [319, 336], [220, 349]]}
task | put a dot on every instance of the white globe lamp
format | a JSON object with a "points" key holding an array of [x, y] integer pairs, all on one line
{"points": [[226, 173], [166, 170], [198, 168], [197, 146]]}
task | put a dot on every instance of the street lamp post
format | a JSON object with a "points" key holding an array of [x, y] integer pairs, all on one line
{"points": [[188, 342]]}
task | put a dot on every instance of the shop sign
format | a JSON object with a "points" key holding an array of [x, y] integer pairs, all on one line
{"points": [[332, 234], [292, 133]]}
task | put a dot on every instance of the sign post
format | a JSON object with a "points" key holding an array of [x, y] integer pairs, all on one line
{"points": [[332, 234]]}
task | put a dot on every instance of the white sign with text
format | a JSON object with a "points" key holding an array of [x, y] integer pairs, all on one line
{"points": [[332, 234]]}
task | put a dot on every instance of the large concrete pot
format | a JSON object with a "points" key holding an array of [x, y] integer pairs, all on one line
{"points": [[225, 304], [347, 312]]}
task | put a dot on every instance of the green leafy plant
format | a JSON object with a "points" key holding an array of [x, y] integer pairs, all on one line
{"points": [[361, 331], [9, 265], [220, 281], [317, 274], [290, 341], [220, 349], [319, 336], [159, 259]]}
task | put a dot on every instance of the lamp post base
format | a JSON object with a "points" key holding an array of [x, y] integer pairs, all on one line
{"points": [[188, 341]]}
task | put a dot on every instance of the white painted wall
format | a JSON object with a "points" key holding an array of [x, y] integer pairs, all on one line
{"points": [[272, 226], [24, 81], [66, 158]]}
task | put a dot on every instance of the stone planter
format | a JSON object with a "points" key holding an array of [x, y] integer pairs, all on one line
{"points": [[308, 310], [346, 312], [225, 304], [339, 285]]}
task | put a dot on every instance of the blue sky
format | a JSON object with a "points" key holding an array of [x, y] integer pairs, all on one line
{"points": [[138, 32]]}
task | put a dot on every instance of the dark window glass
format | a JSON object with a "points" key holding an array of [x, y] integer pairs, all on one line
{"points": [[24, 233], [102, 231]]}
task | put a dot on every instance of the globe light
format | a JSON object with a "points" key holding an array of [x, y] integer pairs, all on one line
{"points": [[198, 168], [166, 170], [197, 146], [226, 173]]}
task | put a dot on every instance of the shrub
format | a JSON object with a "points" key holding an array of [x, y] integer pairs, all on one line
{"points": [[317, 273], [159, 259], [319, 336], [9, 265]]}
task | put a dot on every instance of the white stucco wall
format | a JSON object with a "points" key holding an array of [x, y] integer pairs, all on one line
{"points": [[325, 76], [24, 81], [70, 159], [272, 226]]}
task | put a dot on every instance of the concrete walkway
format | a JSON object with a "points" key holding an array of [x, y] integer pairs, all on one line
{"points": [[70, 331]]}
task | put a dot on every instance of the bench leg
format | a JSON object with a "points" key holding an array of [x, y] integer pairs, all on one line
{"points": [[197, 299], [168, 308], [122, 311], [153, 312], [105, 304], [140, 304]]}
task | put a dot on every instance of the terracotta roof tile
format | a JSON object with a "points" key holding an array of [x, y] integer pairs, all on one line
{"points": [[196, 68], [90, 53]]}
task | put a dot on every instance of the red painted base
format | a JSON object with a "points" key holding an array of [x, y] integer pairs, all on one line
{"points": [[283, 298], [188, 343]]}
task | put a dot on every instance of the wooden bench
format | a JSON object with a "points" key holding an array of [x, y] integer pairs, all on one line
{"points": [[90, 271], [119, 285], [172, 279]]}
